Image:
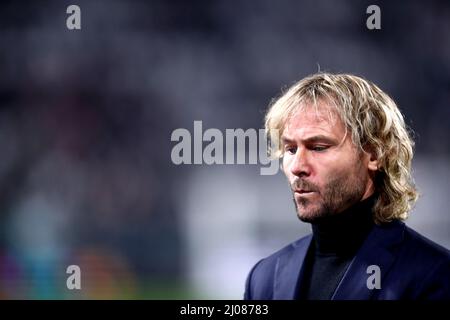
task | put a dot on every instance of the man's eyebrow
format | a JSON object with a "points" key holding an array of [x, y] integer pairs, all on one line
{"points": [[318, 138], [285, 139]]}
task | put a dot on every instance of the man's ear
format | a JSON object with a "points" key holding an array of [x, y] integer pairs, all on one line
{"points": [[373, 163]]}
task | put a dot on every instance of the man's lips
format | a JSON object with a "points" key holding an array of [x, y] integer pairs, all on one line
{"points": [[303, 191]]}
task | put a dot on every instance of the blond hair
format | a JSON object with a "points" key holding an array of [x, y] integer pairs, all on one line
{"points": [[374, 122]]}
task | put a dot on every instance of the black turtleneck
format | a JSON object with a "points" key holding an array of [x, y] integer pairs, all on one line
{"points": [[336, 239]]}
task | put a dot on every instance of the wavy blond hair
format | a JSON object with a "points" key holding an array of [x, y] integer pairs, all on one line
{"points": [[374, 122]]}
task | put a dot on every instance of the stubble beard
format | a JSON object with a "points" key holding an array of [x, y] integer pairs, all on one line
{"points": [[340, 193]]}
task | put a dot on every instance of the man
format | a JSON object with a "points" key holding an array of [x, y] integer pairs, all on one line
{"points": [[347, 156]]}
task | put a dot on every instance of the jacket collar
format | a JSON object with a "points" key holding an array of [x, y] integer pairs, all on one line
{"points": [[287, 271], [376, 250]]}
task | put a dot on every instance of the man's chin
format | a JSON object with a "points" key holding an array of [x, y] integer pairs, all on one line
{"points": [[306, 218], [310, 217], [308, 211]]}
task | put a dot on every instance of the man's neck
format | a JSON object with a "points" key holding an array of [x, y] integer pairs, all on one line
{"points": [[344, 233]]}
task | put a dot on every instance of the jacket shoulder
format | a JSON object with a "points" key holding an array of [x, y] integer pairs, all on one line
{"points": [[260, 280], [424, 248], [428, 265]]}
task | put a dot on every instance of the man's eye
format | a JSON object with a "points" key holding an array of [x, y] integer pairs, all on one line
{"points": [[319, 148], [290, 149]]}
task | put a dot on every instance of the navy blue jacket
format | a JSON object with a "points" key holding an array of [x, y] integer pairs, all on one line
{"points": [[411, 267]]}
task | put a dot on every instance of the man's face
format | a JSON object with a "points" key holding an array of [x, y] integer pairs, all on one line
{"points": [[326, 171]]}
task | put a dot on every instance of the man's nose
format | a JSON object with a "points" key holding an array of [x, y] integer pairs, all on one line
{"points": [[300, 165]]}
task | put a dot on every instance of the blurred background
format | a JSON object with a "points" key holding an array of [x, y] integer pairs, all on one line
{"points": [[86, 118]]}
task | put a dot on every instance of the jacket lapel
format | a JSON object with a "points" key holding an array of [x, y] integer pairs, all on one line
{"points": [[288, 270], [376, 250]]}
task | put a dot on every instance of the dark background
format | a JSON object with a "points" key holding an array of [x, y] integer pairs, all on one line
{"points": [[86, 117]]}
